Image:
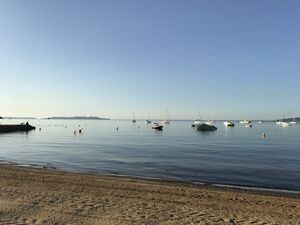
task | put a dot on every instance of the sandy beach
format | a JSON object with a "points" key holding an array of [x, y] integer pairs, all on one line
{"points": [[43, 196]]}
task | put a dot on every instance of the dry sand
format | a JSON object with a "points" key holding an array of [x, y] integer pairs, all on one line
{"points": [[37, 196]]}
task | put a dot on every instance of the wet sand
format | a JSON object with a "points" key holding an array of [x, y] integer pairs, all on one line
{"points": [[44, 196]]}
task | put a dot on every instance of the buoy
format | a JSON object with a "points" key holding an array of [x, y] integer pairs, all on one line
{"points": [[40, 129], [75, 132], [263, 135], [80, 131], [117, 128]]}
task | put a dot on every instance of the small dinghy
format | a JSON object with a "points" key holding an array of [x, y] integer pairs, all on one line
{"points": [[156, 126], [16, 128]]}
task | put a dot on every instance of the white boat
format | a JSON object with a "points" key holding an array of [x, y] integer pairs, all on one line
{"points": [[156, 126], [167, 121], [245, 122], [247, 125], [293, 122], [260, 121], [197, 121], [228, 124], [209, 122], [133, 118], [282, 124]]}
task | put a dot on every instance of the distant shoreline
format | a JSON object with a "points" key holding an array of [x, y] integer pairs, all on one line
{"points": [[76, 118]]}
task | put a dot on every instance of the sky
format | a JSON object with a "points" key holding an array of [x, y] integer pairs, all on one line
{"points": [[222, 59]]}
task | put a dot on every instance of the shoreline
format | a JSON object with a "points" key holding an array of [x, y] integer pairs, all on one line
{"points": [[49, 196], [255, 189]]}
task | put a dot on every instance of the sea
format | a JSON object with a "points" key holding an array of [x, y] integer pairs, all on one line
{"points": [[234, 156]]}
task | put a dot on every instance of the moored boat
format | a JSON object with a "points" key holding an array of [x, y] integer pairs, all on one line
{"points": [[205, 127], [282, 124], [167, 121], [245, 122], [209, 122], [16, 128], [133, 118], [156, 126], [228, 124]]}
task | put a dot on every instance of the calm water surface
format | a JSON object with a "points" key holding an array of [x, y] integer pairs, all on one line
{"points": [[234, 156]]}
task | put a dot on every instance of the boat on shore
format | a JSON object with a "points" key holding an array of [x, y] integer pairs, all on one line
{"points": [[23, 127]]}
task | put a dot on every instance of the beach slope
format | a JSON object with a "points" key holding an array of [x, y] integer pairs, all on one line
{"points": [[38, 196]]}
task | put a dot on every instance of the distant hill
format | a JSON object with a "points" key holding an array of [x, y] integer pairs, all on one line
{"points": [[21, 118], [297, 119], [76, 118]]}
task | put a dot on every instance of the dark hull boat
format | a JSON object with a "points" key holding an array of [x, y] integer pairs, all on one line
{"points": [[156, 126], [16, 128], [205, 127]]}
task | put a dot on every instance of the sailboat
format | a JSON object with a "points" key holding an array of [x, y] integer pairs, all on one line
{"points": [[294, 121], [281, 122], [133, 118], [197, 121], [167, 121], [148, 121]]}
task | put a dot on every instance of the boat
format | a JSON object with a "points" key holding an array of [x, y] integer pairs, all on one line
{"points": [[197, 121], [23, 127], [247, 125], [245, 122], [133, 118], [157, 126], [293, 122], [260, 121], [282, 124], [167, 121], [228, 124], [205, 127], [148, 121], [209, 122]]}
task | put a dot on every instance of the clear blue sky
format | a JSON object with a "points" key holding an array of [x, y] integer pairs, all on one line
{"points": [[224, 59]]}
